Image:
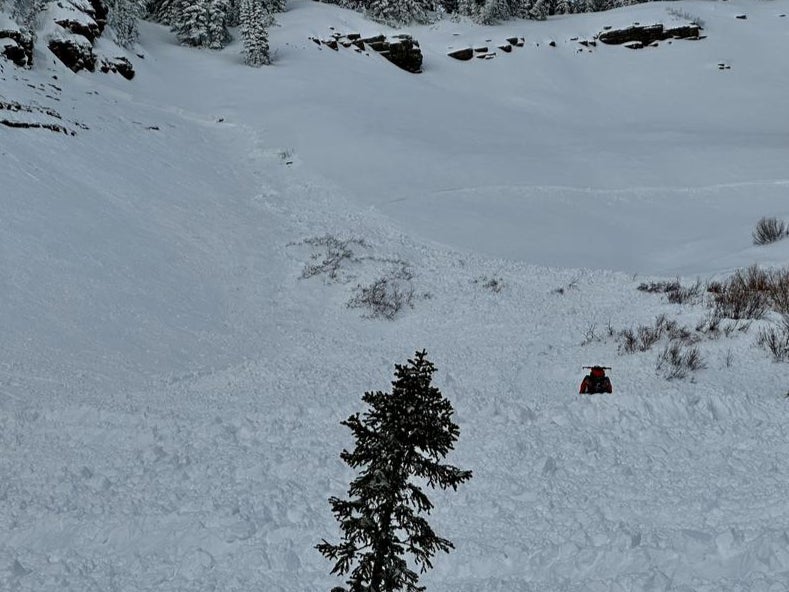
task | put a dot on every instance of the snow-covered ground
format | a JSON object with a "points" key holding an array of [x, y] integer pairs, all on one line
{"points": [[171, 386]]}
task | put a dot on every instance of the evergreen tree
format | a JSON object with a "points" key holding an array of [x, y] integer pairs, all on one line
{"points": [[192, 26], [467, 8], [255, 22], [404, 434], [397, 12], [494, 11], [564, 7], [123, 15], [522, 8], [217, 18], [233, 16], [275, 6], [166, 12], [539, 11]]}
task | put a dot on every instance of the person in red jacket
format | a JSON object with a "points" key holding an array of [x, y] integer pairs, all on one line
{"points": [[596, 381]]}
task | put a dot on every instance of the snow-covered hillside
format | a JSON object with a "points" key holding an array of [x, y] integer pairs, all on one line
{"points": [[171, 384]]}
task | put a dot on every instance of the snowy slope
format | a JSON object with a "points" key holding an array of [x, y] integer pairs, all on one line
{"points": [[172, 387]]}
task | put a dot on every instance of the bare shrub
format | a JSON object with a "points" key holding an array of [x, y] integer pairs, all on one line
{"points": [[743, 296], [658, 287], [590, 335], [647, 336], [675, 291], [738, 326], [769, 230], [776, 340], [779, 290], [710, 326], [644, 337], [383, 298], [685, 15], [686, 295], [390, 293], [495, 285], [677, 361], [629, 342], [332, 255]]}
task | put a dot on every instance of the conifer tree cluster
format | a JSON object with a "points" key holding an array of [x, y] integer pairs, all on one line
{"points": [[404, 12], [404, 435], [205, 23]]}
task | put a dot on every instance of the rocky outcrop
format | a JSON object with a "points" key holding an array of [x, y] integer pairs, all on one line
{"points": [[88, 29], [647, 34], [402, 50], [75, 52], [119, 65], [17, 46], [81, 23]]}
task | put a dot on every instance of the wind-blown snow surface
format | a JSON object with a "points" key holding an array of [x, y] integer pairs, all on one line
{"points": [[172, 388]]}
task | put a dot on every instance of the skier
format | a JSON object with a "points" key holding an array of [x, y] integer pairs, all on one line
{"points": [[596, 381]]}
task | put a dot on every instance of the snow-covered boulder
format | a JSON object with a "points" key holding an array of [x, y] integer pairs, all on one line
{"points": [[402, 50], [75, 51], [118, 65], [16, 44], [647, 34]]}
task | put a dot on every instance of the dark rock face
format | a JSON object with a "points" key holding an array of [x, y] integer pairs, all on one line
{"points": [[17, 46], [377, 43], [75, 56], [647, 34], [685, 32], [404, 52], [76, 50], [119, 65]]}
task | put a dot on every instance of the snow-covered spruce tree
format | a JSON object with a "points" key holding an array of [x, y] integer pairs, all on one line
{"points": [[494, 11], [166, 12], [202, 23], [217, 20], [404, 434], [539, 10], [123, 15], [192, 24], [564, 7], [255, 22], [468, 8], [521, 8], [397, 12]]}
